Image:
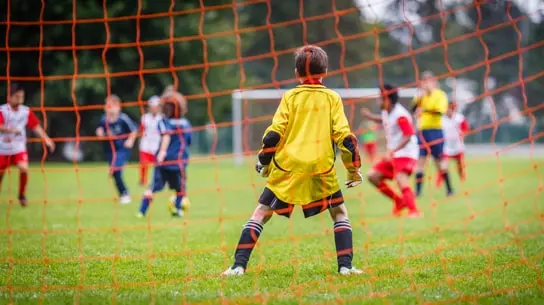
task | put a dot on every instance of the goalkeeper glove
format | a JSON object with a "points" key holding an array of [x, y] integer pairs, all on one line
{"points": [[354, 178], [262, 169]]}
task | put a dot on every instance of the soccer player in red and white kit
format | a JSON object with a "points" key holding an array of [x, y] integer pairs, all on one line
{"points": [[402, 152], [151, 137], [455, 126], [14, 119]]}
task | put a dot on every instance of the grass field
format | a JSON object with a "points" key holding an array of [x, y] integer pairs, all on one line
{"points": [[75, 244]]}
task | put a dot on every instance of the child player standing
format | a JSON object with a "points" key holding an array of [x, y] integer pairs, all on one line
{"points": [[402, 152], [172, 157], [151, 138], [297, 157], [121, 133], [455, 126], [14, 119]]}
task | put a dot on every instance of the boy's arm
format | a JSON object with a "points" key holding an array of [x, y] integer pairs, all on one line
{"points": [[371, 116], [165, 141], [133, 132], [346, 142], [34, 124], [272, 137]]}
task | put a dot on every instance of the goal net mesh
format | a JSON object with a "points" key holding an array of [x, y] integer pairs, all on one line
{"points": [[76, 244]]}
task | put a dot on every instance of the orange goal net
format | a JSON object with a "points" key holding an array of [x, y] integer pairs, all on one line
{"points": [[75, 242]]}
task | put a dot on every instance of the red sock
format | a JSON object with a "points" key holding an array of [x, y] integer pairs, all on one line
{"points": [[23, 179], [143, 173], [439, 179], [409, 198], [387, 191]]}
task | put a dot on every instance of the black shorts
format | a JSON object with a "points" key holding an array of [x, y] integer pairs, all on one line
{"points": [[311, 209]]}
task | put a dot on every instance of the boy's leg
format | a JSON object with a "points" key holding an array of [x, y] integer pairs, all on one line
{"points": [[442, 166], [156, 186], [461, 169], [117, 163], [408, 196], [174, 179], [439, 179], [250, 235], [424, 150], [343, 239], [143, 168], [377, 175], [21, 160]]}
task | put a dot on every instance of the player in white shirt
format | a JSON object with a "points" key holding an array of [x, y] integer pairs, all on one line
{"points": [[455, 126], [402, 152], [14, 119], [151, 137]]}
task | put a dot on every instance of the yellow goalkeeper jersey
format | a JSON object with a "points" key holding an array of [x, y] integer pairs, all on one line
{"points": [[433, 105], [310, 120]]}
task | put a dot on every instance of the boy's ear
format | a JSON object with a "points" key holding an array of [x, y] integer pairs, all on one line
{"points": [[296, 73]]}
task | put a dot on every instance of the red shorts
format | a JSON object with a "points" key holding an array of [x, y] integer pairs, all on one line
{"points": [[8, 160], [388, 168], [146, 158], [457, 157], [370, 148]]}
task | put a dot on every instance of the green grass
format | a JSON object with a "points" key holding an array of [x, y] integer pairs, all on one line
{"points": [[74, 244]]}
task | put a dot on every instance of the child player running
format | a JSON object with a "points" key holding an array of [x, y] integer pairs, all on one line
{"points": [[151, 138], [172, 156], [121, 132], [15, 118], [455, 126], [402, 152], [297, 157]]}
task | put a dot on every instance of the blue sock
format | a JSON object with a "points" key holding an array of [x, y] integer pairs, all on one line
{"points": [[119, 183], [146, 201], [178, 202], [419, 183], [447, 182]]}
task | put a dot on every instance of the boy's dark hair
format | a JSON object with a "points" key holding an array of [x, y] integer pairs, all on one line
{"points": [[311, 61], [390, 92], [15, 87]]}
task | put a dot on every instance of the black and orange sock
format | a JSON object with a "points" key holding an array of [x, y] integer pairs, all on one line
{"points": [[248, 239]]}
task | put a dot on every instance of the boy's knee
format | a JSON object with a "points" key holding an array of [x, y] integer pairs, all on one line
{"points": [[262, 214], [23, 167], [339, 213]]}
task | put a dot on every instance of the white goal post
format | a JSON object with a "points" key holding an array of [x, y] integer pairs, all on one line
{"points": [[238, 96]]}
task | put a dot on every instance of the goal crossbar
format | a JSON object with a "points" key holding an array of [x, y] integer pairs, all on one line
{"points": [[239, 95]]}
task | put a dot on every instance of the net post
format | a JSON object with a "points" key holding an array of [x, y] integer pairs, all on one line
{"points": [[237, 129]]}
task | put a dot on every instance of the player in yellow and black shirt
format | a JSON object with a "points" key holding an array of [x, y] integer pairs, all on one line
{"points": [[298, 156], [429, 109]]}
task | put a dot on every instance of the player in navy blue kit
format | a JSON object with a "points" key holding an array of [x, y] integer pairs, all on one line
{"points": [[172, 156], [121, 133]]}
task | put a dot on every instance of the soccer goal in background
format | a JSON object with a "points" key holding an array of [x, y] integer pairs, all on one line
{"points": [[252, 112]]}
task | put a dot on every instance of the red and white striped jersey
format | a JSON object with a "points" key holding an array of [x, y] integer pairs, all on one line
{"points": [[397, 124], [18, 119], [151, 136], [454, 127]]}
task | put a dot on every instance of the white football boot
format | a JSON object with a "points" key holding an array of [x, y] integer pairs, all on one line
{"points": [[237, 271], [125, 199], [346, 271]]}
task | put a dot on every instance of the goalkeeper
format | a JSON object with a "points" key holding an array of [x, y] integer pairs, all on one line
{"points": [[298, 156]]}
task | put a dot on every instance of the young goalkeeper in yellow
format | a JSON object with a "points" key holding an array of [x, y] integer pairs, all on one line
{"points": [[298, 155]]}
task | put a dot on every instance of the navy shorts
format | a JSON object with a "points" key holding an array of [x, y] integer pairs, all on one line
{"points": [[174, 177], [118, 159], [311, 209], [431, 140]]}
